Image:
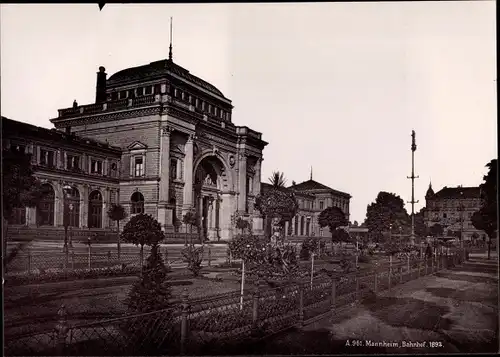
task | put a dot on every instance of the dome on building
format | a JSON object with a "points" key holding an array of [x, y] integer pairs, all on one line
{"points": [[159, 69], [430, 192]]}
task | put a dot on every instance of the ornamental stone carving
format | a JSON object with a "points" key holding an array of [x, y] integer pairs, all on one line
{"points": [[166, 131], [232, 160]]}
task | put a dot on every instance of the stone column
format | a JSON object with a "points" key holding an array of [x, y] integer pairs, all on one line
{"points": [[286, 229], [164, 216], [105, 205], [84, 208], [188, 174], [58, 204], [242, 181], [257, 177]]}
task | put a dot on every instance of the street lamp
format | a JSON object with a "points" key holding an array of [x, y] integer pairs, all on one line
{"points": [[67, 190]]}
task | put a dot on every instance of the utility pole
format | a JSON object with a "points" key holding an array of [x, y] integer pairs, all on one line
{"points": [[413, 177]]}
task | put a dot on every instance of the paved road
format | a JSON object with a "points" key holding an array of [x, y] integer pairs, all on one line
{"points": [[455, 310]]}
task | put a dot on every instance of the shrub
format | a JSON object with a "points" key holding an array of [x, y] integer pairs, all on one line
{"points": [[364, 258], [193, 256], [304, 253], [153, 290]]}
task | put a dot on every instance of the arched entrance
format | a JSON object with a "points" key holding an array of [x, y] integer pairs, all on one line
{"points": [[209, 183]]}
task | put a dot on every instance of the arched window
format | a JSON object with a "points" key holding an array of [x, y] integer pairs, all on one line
{"points": [[296, 228], [302, 221], [73, 207], [95, 210], [45, 211], [137, 203]]}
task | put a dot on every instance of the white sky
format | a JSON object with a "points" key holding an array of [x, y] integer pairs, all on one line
{"points": [[336, 86]]}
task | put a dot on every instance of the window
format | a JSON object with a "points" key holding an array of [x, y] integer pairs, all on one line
{"points": [[140, 92], [96, 166], [197, 103], [114, 96], [210, 108], [444, 215], [216, 112], [321, 232], [223, 115], [45, 210], [72, 207], [137, 200], [47, 158], [173, 169], [72, 162], [123, 94], [190, 99], [203, 105], [321, 203], [18, 216], [157, 89], [18, 148], [183, 95], [302, 221], [114, 169], [176, 93], [95, 210], [148, 90], [138, 166]]}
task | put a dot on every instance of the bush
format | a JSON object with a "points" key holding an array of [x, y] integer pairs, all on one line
{"points": [[304, 253], [193, 256], [153, 291], [364, 259]]}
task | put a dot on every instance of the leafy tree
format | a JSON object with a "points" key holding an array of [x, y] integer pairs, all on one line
{"points": [[355, 224], [142, 230], [277, 203], [277, 179], [117, 213], [486, 218], [190, 219], [242, 224], [193, 256], [309, 245], [388, 209], [436, 230], [420, 226], [153, 289], [249, 248], [333, 218], [20, 188]]}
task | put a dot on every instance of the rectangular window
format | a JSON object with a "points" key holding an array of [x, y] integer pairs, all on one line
{"points": [[216, 111], [148, 90], [114, 96], [123, 94], [138, 166], [223, 115], [197, 103], [210, 108], [157, 89], [140, 92], [96, 167], [203, 105], [176, 93], [183, 95], [72, 162], [190, 99], [321, 203], [47, 158], [173, 169]]}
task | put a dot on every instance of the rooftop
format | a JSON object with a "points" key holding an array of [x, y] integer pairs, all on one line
{"points": [[311, 185], [159, 69], [13, 127], [455, 193]]}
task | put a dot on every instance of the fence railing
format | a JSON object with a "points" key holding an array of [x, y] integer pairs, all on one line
{"points": [[221, 321]]}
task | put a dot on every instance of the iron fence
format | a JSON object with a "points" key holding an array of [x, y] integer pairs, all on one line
{"points": [[213, 324]]}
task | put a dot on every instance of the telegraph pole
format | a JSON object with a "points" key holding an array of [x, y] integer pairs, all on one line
{"points": [[413, 177]]}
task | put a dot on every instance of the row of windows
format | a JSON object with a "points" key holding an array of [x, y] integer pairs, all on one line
{"points": [[136, 92], [138, 168], [48, 158]]}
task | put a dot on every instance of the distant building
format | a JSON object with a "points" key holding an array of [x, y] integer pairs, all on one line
{"points": [[81, 173], [452, 208], [313, 197]]}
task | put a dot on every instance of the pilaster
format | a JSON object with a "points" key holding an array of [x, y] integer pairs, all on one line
{"points": [[242, 180], [188, 174], [164, 213]]}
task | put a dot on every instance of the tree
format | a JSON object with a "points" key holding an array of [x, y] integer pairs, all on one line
{"points": [[277, 203], [387, 211], [117, 213], [142, 230], [153, 290], [277, 179], [420, 226], [333, 218], [20, 188], [190, 219], [436, 230], [242, 224], [194, 257], [486, 218]]}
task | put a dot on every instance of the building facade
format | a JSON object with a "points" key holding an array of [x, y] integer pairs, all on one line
{"points": [[180, 150], [452, 208], [79, 176], [313, 197]]}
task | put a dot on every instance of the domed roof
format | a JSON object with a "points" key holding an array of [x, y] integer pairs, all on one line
{"points": [[157, 69]]}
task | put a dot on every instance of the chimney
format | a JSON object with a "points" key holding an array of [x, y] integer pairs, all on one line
{"points": [[100, 93]]}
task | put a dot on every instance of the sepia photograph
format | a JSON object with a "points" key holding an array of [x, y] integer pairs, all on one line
{"points": [[210, 179]]}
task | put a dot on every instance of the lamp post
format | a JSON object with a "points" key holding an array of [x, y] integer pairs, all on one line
{"points": [[390, 232]]}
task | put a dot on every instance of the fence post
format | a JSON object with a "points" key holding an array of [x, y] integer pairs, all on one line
{"points": [[409, 268], [209, 256], [66, 258], [61, 330], [73, 260], [184, 320], [301, 304], [90, 256], [255, 305], [29, 262], [389, 278], [334, 294]]}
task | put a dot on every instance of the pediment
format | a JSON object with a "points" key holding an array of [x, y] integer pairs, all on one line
{"points": [[137, 145]]}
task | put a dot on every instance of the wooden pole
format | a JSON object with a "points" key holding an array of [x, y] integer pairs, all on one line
{"points": [[312, 269]]}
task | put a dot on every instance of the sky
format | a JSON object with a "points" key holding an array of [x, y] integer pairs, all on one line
{"points": [[333, 86]]}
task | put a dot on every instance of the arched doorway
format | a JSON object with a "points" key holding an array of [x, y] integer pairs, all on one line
{"points": [[137, 200], [95, 210], [73, 206], [210, 180], [45, 211]]}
